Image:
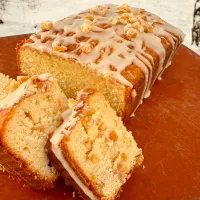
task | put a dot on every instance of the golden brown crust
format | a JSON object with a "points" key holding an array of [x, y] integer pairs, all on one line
{"points": [[14, 165]]}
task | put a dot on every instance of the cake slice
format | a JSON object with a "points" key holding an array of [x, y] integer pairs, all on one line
{"points": [[119, 50], [4, 85], [27, 116], [92, 149]]}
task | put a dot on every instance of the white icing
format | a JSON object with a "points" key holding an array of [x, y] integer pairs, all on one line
{"points": [[27, 88], [111, 38], [159, 78], [69, 120], [147, 94], [168, 64], [132, 114], [134, 94]]}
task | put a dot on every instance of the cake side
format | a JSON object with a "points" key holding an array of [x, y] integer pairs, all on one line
{"points": [[20, 172], [72, 77], [28, 115], [97, 148], [114, 41]]}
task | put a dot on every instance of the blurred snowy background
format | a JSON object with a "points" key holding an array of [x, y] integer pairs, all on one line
{"points": [[24, 16]]}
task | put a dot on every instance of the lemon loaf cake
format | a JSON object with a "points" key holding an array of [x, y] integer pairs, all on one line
{"points": [[119, 50], [4, 85], [27, 116], [92, 149]]}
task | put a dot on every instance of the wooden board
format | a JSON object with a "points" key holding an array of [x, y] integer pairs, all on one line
{"points": [[166, 127]]}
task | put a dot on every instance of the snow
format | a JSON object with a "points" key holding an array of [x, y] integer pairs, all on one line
{"points": [[21, 16]]}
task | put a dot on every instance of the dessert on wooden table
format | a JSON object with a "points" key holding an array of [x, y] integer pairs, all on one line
{"points": [[27, 115], [92, 149], [119, 50]]}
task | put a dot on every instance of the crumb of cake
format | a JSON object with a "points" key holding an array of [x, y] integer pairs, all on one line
{"points": [[74, 194], [86, 48], [64, 193], [86, 27], [113, 20], [139, 160], [130, 31], [124, 8], [125, 18], [138, 26], [46, 26], [148, 28], [128, 17], [58, 47], [89, 17], [158, 21], [139, 11], [143, 166], [99, 10]]}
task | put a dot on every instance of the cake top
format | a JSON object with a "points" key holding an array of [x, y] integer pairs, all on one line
{"points": [[107, 39], [24, 86]]}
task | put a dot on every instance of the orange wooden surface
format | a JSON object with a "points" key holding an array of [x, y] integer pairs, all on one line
{"points": [[166, 126]]}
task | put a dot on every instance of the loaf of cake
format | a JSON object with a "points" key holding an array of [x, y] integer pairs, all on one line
{"points": [[27, 115], [4, 85], [92, 149], [119, 50]]}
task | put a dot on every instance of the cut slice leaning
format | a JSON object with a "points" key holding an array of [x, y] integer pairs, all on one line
{"points": [[93, 147]]}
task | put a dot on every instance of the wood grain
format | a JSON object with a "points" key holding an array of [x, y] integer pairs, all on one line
{"points": [[166, 127]]}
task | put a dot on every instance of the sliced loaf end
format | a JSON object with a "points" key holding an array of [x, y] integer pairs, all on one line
{"points": [[95, 148], [34, 111]]}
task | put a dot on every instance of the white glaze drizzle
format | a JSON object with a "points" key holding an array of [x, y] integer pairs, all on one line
{"points": [[147, 95], [27, 88], [133, 94], [108, 38], [69, 120]]}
